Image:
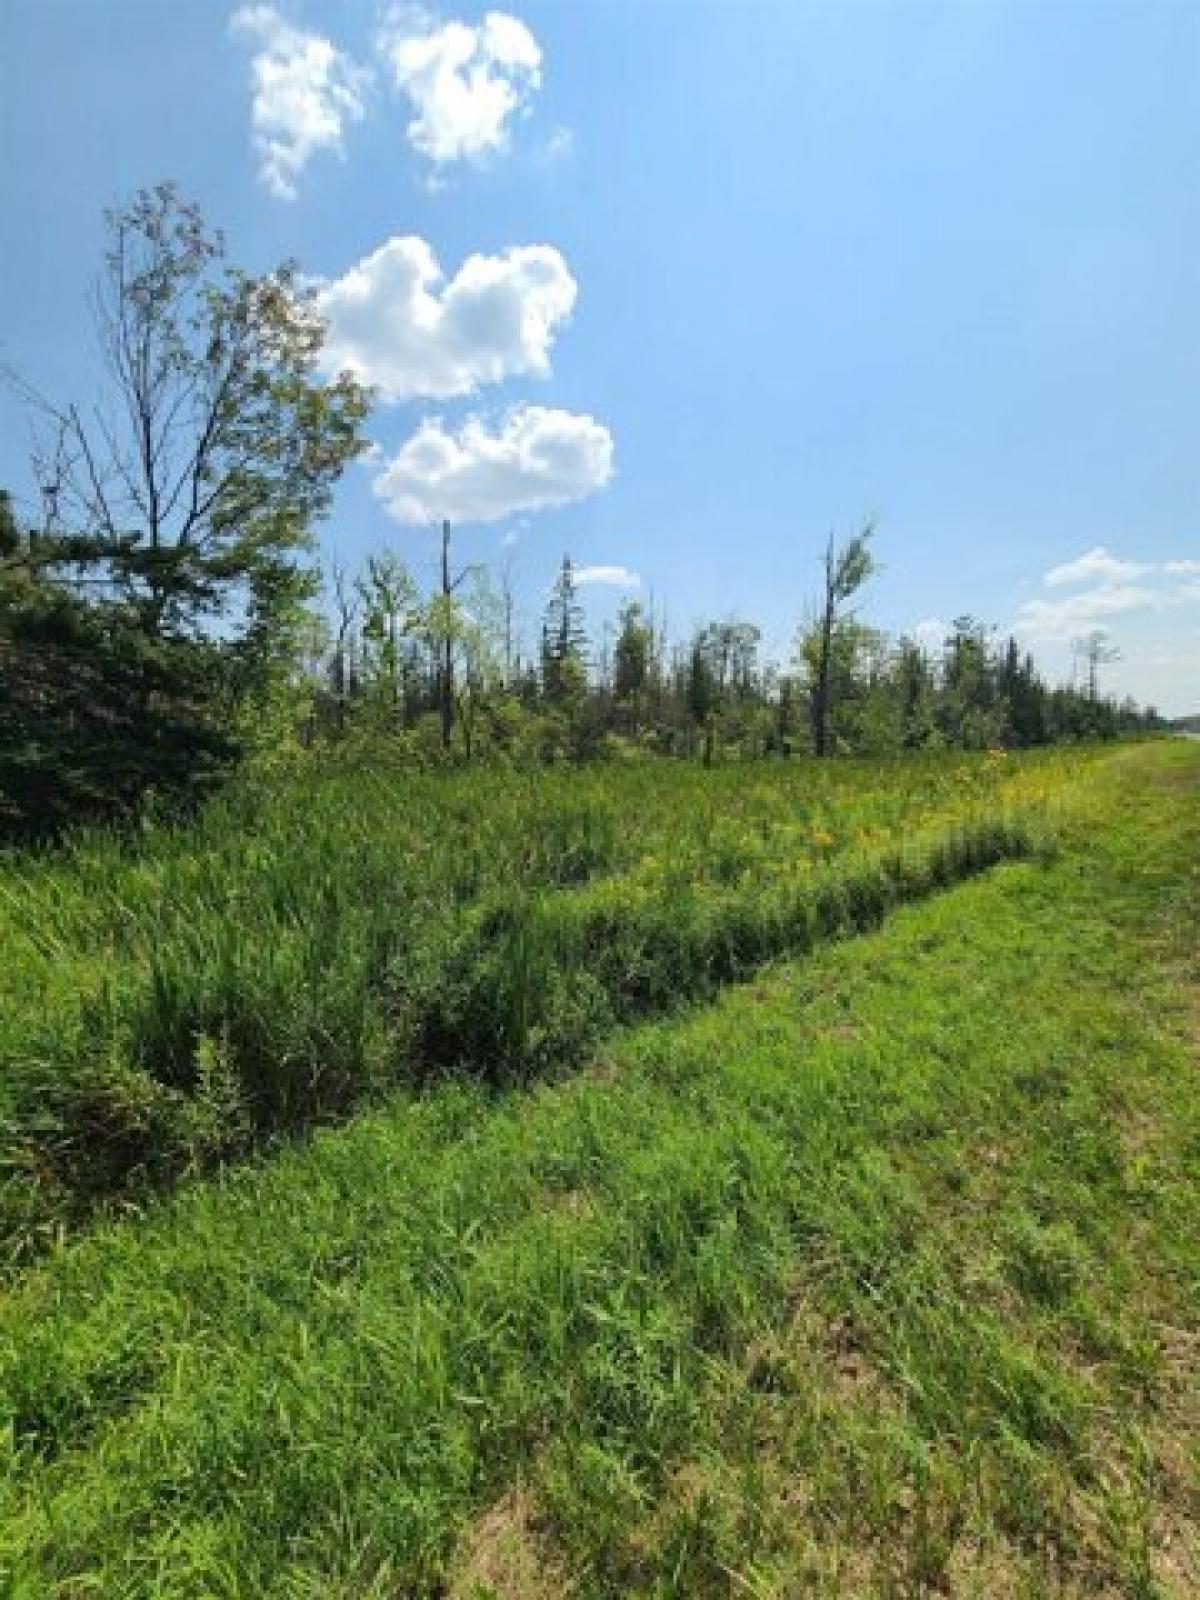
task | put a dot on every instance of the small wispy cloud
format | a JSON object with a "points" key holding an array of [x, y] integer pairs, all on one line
{"points": [[1061, 619], [615, 577], [305, 92], [560, 146], [465, 82], [1095, 564], [1107, 586]]}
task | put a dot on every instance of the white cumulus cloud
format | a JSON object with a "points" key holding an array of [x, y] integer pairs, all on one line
{"points": [[397, 323], [465, 82], [616, 577], [305, 91], [1097, 564], [538, 458]]}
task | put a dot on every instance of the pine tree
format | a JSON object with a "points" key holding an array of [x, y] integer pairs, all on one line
{"points": [[564, 640]]}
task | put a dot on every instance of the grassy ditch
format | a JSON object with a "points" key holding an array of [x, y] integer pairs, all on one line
{"points": [[176, 1002]]}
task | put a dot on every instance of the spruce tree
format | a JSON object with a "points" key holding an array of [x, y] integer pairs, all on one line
{"points": [[564, 640]]}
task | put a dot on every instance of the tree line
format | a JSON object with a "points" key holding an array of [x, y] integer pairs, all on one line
{"points": [[446, 675], [162, 616]]}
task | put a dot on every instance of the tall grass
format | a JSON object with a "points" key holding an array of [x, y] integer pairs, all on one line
{"points": [[172, 1001], [873, 1278]]}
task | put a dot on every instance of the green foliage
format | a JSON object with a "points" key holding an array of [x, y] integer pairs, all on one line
{"points": [[96, 715], [632, 658], [167, 584], [564, 642], [390, 618]]}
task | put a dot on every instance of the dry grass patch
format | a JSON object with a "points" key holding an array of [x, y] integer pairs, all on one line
{"points": [[506, 1554]]}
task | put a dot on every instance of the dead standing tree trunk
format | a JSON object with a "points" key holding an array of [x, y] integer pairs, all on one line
{"points": [[446, 675], [446, 632], [1095, 651], [846, 570], [346, 605]]}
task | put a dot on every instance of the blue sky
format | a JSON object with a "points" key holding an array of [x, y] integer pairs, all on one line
{"points": [[679, 287]]}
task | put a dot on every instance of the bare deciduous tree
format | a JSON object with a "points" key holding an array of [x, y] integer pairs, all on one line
{"points": [[846, 568], [188, 488], [1094, 650]]}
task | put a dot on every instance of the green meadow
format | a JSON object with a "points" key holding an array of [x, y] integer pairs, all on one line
{"points": [[771, 1180]]}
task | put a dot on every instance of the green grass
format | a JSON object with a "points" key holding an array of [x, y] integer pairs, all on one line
{"points": [[878, 1276], [172, 1002]]}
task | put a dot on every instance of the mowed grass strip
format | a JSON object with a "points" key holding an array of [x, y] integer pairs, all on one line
{"points": [[878, 1276]]}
